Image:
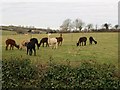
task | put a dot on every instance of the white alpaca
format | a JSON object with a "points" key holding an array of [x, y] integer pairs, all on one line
{"points": [[52, 42], [23, 44]]}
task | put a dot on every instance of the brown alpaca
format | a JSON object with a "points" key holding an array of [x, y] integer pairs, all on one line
{"points": [[59, 40], [12, 43]]}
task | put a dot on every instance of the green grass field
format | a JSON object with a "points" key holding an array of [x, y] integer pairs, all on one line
{"points": [[106, 51]]}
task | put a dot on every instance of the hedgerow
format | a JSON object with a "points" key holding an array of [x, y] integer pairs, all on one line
{"points": [[19, 73]]}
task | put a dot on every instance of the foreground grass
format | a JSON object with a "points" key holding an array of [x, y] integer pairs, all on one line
{"points": [[106, 51]]}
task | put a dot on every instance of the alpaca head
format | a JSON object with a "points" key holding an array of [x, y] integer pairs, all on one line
{"points": [[18, 46], [77, 44], [95, 42]]}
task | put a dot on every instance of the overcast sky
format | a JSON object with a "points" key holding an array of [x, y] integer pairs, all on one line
{"points": [[43, 14]]}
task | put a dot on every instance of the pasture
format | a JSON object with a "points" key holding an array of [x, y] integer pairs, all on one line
{"points": [[106, 51]]}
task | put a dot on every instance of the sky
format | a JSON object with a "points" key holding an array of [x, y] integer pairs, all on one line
{"points": [[52, 13]]}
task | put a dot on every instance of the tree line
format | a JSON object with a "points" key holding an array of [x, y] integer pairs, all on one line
{"points": [[67, 26], [78, 25]]}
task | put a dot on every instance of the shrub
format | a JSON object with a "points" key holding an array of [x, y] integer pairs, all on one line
{"points": [[87, 76], [18, 73]]}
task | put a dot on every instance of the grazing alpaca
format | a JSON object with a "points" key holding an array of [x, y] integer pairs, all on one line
{"points": [[81, 40], [12, 43], [52, 42], [42, 41], [30, 47], [92, 40], [23, 44], [35, 41], [59, 40]]}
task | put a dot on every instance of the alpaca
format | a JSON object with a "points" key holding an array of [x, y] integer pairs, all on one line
{"points": [[35, 41], [59, 40], [92, 40], [42, 41], [23, 44], [12, 43], [52, 42], [30, 47], [81, 40]]}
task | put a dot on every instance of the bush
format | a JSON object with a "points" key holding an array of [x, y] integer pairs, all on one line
{"points": [[18, 73], [87, 76]]}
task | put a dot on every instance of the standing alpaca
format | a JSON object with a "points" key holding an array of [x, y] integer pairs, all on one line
{"points": [[59, 40], [35, 41], [42, 41], [30, 47], [12, 43], [92, 40], [52, 42], [81, 40]]}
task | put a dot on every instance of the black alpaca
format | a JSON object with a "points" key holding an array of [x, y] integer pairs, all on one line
{"points": [[35, 41], [42, 41], [92, 40], [81, 41], [30, 47]]}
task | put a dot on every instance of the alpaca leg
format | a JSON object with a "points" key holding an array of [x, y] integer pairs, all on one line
{"points": [[82, 43], [47, 44], [43, 44], [27, 51], [90, 42], [30, 52], [7, 47], [34, 51], [52, 46], [56, 45], [10, 47], [61, 44], [85, 43]]}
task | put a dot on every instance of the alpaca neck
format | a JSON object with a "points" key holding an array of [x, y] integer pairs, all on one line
{"points": [[60, 35], [16, 45], [48, 39]]}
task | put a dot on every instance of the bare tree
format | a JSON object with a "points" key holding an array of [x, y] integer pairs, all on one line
{"points": [[66, 25], [89, 26], [78, 24]]}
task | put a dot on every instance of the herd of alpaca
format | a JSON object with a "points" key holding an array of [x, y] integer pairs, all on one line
{"points": [[82, 41], [50, 42]]}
